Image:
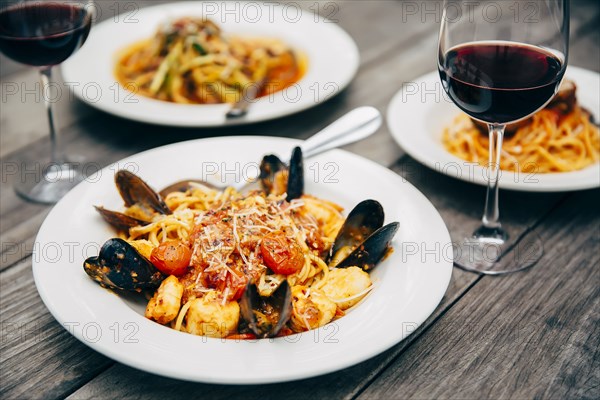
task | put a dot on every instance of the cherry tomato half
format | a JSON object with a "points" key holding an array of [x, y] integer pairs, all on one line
{"points": [[281, 254], [172, 257]]}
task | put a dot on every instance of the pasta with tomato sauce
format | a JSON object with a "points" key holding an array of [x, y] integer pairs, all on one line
{"points": [[191, 61], [215, 242]]}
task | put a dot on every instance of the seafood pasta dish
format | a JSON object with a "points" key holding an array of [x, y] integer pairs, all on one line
{"points": [[559, 138], [191, 61], [216, 262]]}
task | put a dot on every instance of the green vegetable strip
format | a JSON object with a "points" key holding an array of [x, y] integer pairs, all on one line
{"points": [[163, 69]]}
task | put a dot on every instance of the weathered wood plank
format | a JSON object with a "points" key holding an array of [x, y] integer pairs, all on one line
{"points": [[461, 203], [88, 141], [38, 357], [533, 334], [23, 116], [373, 84], [17, 243]]}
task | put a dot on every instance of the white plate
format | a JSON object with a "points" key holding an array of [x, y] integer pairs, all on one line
{"points": [[419, 111], [333, 60], [409, 284]]}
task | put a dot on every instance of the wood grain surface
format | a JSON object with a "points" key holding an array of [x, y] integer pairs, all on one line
{"points": [[533, 334]]}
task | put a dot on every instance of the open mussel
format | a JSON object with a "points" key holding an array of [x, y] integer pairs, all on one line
{"points": [[276, 177], [372, 250], [120, 266], [266, 316], [143, 202], [272, 173], [136, 192], [120, 221], [363, 220], [362, 240]]}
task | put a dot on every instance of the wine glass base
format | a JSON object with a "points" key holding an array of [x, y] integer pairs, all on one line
{"points": [[50, 184], [487, 252]]}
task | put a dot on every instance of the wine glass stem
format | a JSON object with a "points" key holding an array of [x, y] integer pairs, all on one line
{"points": [[46, 78], [491, 214]]}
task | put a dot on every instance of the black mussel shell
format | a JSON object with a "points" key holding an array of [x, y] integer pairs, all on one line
{"points": [[363, 220], [118, 220], [120, 266], [134, 190], [266, 316], [372, 250], [269, 166], [295, 186]]}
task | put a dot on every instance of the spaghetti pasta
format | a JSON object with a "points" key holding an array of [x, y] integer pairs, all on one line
{"points": [[227, 231], [551, 141], [225, 264]]}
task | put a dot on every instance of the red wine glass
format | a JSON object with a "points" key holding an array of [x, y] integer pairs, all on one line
{"points": [[42, 34], [500, 62]]}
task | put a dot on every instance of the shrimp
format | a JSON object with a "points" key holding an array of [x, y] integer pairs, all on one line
{"points": [[346, 286], [310, 309], [209, 316], [327, 214], [164, 306]]}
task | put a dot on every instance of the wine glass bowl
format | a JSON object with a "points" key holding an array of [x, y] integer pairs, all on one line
{"points": [[498, 81], [500, 67], [42, 34]]}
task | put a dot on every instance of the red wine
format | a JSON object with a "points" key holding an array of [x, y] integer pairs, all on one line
{"points": [[43, 33], [500, 82]]}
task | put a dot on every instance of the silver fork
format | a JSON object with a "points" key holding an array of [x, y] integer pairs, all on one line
{"points": [[356, 125]]}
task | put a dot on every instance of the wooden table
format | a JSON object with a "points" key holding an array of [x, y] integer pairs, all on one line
{"points": [[533, 334]]}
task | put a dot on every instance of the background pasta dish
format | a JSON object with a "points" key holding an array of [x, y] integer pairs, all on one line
{"points": [[191, 61], [562, 137]]}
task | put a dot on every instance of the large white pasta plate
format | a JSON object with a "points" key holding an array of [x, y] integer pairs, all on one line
{"points": [[409, 284]]}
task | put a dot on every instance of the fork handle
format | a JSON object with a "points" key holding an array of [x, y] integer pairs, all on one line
{"points": [[356, 125]]}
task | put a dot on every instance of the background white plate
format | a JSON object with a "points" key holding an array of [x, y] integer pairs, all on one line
{"points": [[419, 111], [333, 60], [408, 285]]}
